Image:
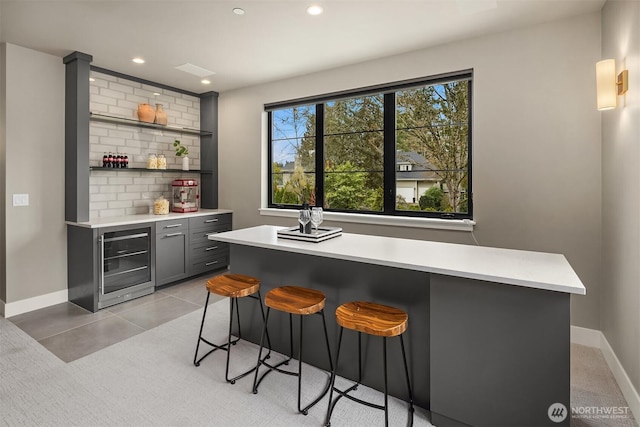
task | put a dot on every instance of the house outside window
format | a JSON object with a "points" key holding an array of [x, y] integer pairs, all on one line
{"points": [[403, 149]]}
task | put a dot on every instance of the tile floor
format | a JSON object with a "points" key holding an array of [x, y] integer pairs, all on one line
{"points": [[71, 332]]}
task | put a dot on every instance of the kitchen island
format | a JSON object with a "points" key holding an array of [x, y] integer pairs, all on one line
{"points": [[488, 337]]}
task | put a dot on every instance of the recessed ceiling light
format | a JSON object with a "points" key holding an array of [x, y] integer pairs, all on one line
{"points": [[156, 94], [205, 82], [238, 11], [138, 60], [314, 9], [91, 79]]}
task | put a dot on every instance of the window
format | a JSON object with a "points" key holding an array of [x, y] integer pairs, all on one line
{"points": [[399, 149]]}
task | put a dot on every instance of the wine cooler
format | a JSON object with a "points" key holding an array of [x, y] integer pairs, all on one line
{"points": [[127, 265]]}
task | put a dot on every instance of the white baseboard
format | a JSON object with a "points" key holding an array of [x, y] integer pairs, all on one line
{"points": [[595, 338], [29, 304]]}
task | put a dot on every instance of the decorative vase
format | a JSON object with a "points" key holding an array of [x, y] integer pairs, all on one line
{"points": [[146, 113], [185, 163], [161, 116]]}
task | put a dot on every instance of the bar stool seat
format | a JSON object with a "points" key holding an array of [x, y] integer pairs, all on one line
{"points": [[372, 319], [232, 286], [294, 300]]}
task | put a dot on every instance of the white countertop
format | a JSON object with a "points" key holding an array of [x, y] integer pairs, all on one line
{"points": [[141, 219], [537, 270]]}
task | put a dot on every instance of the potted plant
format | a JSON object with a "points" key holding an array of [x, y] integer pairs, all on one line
{"points": [[182, 151]]}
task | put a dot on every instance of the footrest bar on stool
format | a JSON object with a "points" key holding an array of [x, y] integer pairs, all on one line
{"points": [[244, 374], [271, 369], [224, 347], [320, 396]]}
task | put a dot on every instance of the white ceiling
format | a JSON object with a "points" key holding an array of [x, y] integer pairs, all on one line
{"points": [[271, 41]]}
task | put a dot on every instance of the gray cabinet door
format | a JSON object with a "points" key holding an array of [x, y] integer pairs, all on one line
{"points": [[171, 257]]}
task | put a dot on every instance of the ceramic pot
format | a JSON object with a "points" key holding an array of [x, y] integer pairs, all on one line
{"points": [[161, 116], [146, 113], [185, 163]]}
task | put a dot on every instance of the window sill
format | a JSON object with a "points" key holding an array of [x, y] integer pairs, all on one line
{"points": [[440, 224]]}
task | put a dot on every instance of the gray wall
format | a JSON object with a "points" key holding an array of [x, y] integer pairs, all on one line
{"points": [[34, 146], [620, 304], [3, 179], [536, 136]]}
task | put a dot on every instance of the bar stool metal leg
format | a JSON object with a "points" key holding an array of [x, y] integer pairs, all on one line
{"points": [[375, 320], [230, 342], [271, 368]]}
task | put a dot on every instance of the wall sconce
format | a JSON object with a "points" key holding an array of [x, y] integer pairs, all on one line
{"points": [[608, 85]]}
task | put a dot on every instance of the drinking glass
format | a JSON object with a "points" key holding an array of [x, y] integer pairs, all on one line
{"points": [[304, 218], [316, 217]]}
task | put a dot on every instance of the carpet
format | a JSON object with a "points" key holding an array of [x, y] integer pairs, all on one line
{"points": [[150, 380]]}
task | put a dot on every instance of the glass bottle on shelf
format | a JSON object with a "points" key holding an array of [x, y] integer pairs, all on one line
{"points": [[162, 161], [105, 160], [152, 161]]}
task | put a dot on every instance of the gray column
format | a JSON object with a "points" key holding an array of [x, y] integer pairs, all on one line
{"points": [[209, 150], [77, 136]]}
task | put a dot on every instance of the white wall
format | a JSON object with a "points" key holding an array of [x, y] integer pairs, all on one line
{"points": [[36, 251], [620, 302], [536, 142]]}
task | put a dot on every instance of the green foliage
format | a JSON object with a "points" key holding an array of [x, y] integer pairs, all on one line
{"points": [[346, 188], [276, 171], [181, 150], [432, 199]]}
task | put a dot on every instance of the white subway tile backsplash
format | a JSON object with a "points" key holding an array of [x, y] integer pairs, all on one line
{"points": [[119, 87], [104, 213], [144, 180], [96, 206], [177, 107], [129, 105], [109, 93], [98, 108], [117, 193], [185, 102], [164, 188], [130, 196], [136, 188], [116, 142], [120, 204], [101, 99], [122, 180], [99, 180], [111, 189], [123, 112], [120, 134], [102, 197], [100, 76]]}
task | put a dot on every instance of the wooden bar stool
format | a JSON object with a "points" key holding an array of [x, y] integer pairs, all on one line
{"points": [[373, 319], [233, 286], [302, 302]]}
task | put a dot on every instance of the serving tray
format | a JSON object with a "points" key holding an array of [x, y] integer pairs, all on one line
{"points": [[324, 233]]}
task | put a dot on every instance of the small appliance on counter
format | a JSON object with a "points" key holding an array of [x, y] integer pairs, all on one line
{"points": [[185, 195]]}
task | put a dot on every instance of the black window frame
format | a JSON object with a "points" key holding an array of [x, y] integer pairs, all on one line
{"points": [[389, 160]]}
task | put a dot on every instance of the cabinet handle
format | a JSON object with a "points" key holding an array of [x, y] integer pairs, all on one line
{"points": [[211, 263], [173, 234], [172, 226], [211, 248], [211, 220]]}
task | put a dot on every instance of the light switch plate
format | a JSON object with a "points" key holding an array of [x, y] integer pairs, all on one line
{"points": [[20, 200]]}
